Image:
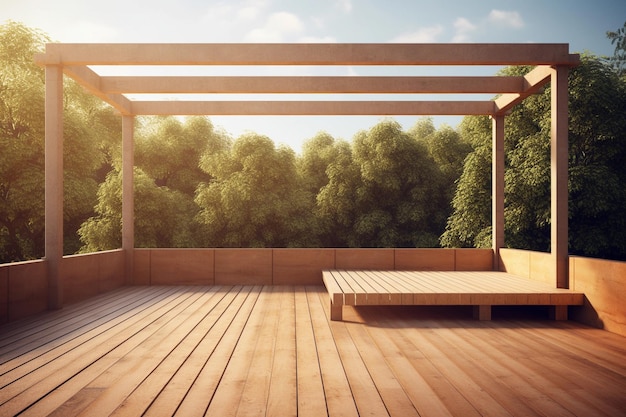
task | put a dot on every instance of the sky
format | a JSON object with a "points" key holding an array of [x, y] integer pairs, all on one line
{"points": [[581, 23]]}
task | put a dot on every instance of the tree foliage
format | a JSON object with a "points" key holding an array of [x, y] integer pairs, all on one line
{"points": [[166, 175], [86, 128], [254, 198], [618, 60], [597, 151], [387, 192]]}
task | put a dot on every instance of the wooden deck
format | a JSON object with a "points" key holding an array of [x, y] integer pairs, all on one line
{"points": [[480, 289], [263, 350]]}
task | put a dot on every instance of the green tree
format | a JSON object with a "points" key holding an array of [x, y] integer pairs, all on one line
{"points": [[161, 216], [21, 141], [618, 60], [469, 225], [314, 169], [255, 198], [387, 193], [167, 174], [597, 173], [446, 147], [86, 128]]}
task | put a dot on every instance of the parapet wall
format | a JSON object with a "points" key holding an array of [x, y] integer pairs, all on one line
{"points": [[290, 266], [24, 285]]}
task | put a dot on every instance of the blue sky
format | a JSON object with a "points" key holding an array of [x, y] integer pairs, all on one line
{"points": [[582, 24]]}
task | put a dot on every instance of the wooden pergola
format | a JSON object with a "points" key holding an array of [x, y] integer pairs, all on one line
{"points": [[551, 61]]}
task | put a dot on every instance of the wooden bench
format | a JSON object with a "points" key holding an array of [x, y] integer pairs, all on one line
{"points": [[479, 289]]}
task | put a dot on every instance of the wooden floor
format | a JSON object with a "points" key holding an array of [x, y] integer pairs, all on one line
{"points": [[273, 351]]}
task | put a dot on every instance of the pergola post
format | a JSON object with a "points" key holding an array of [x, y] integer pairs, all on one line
{"points": [[54, 183], [559, 157], [128, 202], [497, 188]]}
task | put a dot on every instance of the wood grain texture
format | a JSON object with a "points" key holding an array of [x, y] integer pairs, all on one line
{"points": [[241, 350]]}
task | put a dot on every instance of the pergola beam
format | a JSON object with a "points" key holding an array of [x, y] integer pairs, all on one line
{"points": [[92, 82], [310, 85], [533, 82], [306, 54], [313, 108]]}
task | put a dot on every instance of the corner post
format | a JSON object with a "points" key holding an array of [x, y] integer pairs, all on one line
{"points": [[128, 199], [497, 188], [54, 183], [559, 157]]}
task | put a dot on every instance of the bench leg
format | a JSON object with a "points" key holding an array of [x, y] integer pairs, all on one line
{"points": [[558, 312], [482, 312], [336, 311]]}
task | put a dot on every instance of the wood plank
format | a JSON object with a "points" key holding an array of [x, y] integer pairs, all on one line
{"points": [[518, 376], [579, 383], [182, 381], [366, 395], [332, 286], [253, 399], [209, 312], [126, 374], [339, 400], [60, 330], [89, 360], [425, 399], [387, 382], [349, 297], [445, 381], [229, 391], [311, 398], [44, 353], [282, 397], [214, 361]]}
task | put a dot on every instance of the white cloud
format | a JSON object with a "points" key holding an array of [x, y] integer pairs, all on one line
{"points": [[463, 28], [277, 28], [506, 18], [422, 35]]}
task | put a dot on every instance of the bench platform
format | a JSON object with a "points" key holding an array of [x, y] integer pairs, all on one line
{"points": [[481, 289]]}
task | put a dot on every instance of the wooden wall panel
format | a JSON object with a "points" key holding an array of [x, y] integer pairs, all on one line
{"points": [[364, 259], [301, 266], [515, 261], [28, 289], [110, 270], [4, 293], [473, 259], [182, 267], [79, 277], [424, 259], [243, 266], [141, 267], [604, 285], [542, 268]]}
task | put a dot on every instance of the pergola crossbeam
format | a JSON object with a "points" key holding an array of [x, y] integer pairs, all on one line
{"points": [[307, 54], [313, 108], [92, 82], [533, 82], [310, 85]]}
